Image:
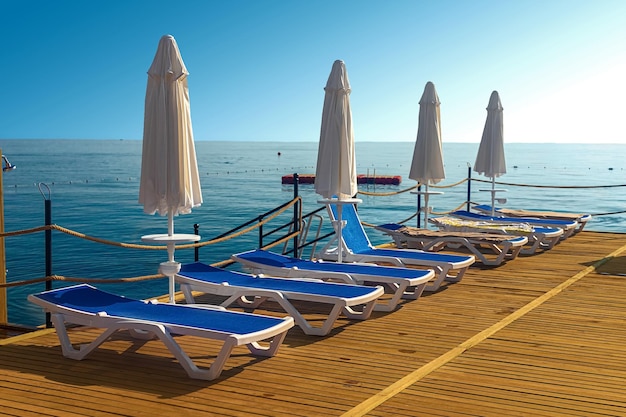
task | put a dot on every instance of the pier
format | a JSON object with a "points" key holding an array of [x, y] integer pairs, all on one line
{"points": [[541, 335]]}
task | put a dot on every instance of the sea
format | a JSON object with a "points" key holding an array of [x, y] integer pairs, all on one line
{"points": [[92, 187]]}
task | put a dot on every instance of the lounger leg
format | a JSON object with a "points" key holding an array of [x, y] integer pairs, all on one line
{"points": [[552, 242], [366, 312], [415, 293], [534, 243], [187, 291], [398, 290], [299, 319], [441, 274], [187, 363], [248, 302], [515, 251], [457, 277], [66, 345], [271, 350], [260, 296]]}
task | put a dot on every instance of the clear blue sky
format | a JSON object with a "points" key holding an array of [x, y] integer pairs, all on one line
{"points": [[77, 69]]}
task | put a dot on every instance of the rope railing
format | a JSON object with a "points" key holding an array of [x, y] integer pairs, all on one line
{"points": [[412, 216], [149, 247], [609, 213], [370, 193], [390, 193], [500, 183], [511, 184], [443, 213], [144, 247], [85, 280]]}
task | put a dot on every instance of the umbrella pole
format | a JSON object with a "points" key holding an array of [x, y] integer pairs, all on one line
{"points": [[171, 267], [170, 223], [339, 231]]}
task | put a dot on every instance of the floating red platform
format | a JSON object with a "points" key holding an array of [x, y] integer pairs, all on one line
{"points": [[361, 179]]}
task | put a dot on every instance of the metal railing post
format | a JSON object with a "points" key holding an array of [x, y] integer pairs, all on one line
{"points": [[48, 241], [469, 185], [5, 165], [419, 206], [196, 250], [296, 220]]}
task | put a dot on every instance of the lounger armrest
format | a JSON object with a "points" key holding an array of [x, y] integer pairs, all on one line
{"points": [[299, 278], [207, 306]]}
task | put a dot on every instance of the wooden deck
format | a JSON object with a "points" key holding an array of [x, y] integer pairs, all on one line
{"points": [[538, 336]]}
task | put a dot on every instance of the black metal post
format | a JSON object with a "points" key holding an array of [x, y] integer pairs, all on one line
{"points": [[48, 243], [469, 186], [419, 206], [196, 250], [296, 220]]}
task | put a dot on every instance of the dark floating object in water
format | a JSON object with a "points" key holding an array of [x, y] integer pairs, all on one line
{"points": [[514, 166], [610, 169], [361, 179]]}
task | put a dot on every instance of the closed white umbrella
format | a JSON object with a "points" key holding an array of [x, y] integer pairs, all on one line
{"points": [[335, 174], [490, 160], [170, 184], [427, 164]]}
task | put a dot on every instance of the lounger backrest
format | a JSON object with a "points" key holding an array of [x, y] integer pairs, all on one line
{"points": [[353, 234], [478, 216]]}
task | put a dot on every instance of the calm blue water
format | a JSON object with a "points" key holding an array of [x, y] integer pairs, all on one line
{"points": [[95, 184]]}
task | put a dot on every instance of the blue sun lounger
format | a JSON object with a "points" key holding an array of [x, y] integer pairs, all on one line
{"points": [[250, 291], [580, 218], [539, 238], [357, 247], [87, 306], [489, 249], [401, 282], [568, 226]]}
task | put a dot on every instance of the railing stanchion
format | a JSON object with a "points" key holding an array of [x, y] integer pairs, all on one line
{"points": [[260, 219], [48, 241], [296, 219], [419, 206], [469, 185], [196, 250]]}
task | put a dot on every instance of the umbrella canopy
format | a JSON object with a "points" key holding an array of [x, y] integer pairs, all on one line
{"points": [[490, 159], [335, 174], [427, 165], [170, 183]]}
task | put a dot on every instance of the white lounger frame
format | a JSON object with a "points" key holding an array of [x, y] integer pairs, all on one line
{"points": [[401, 288], [506, 249], [251, 298], [147, 329]]}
